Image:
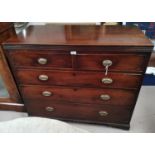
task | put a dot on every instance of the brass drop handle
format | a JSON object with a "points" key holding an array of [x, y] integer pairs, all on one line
{"points": [[43, 77], [105, 97], [46, 93], [50, 109], [103, 113], [42, 61], [107, 80], [106, 64]]}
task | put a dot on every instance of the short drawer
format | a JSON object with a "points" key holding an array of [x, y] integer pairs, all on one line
{"points": [[87, 113], [40, 59], [119, 62], [78, 78], [80, 95]]}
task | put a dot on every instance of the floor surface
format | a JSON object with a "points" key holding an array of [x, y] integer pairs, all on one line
{"points": [[143, 119]]}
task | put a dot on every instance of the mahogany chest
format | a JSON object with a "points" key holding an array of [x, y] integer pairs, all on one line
{"points": [[80, 73]]}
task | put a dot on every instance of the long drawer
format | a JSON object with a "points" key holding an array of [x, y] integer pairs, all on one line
{"points": [[80, 95], [97, 114], [78, 78]]}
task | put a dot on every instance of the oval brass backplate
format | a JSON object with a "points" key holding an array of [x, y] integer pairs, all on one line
{"points": [[50, 109], [103, 113], [105, 97], [42, 61], [46, 93], [43, 77], [107, 63], [107, 80]]}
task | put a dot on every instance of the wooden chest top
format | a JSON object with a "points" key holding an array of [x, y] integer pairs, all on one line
{"points": [[80, 35]]}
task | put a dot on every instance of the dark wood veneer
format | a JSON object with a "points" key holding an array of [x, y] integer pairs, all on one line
{"points": [[30, 59], [121, 62], [80, 95], [81, 112], [78, 35], [78, 78], [63, 59], [74, 78]]}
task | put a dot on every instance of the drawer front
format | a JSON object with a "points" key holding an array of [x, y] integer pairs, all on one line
{"points": [[40, 59], [79, 78], [100, 114], [120, 62], [80, 95]]}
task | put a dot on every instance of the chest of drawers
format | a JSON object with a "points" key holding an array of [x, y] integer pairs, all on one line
{"points": [[80, 73]]}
